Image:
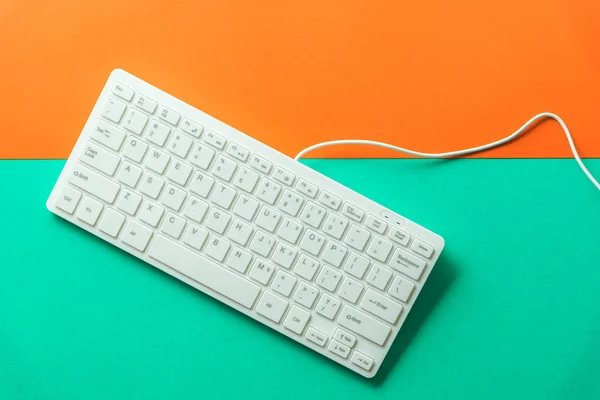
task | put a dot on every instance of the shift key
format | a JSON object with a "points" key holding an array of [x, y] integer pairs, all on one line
{"points": [[364, 325], [94, 183]]}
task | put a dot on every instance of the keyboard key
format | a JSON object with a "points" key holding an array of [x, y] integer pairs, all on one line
{"points": [[195, 236], [344, 337], [202, 156], [246, 179], [268, 191], [379, 249], [296, 320], [100, 159], [135, 121], [157, 133], [108, 135], [335, 226], [169, 115], [334, 253], [129, 202], [217, 220], [151, 213], [306, 267], [305, 295], [129, 174], [381, 306], [376, 224], [329, 200], [191, 127], [290, 203], [113, 110], [260, 164], [329, 278], [68, 199], [379, 277], [145, 103], [316, 336], [306, 188], [271, 306], [157, 160], [151, 185], [422, 248], [356, 265], [268, 218], [238, 151], [408, 264], [135, 149], [401, 289], [399, 236], [261, 271], [353, 212], [173, 225], [284, 176], [350, 290], [173, 197], [262, 244], [214, 139], [362, 361], [111, 222], [312, 242], [94, 183], [364, 325], [124, 92], [211, 275], [195, 209], [239, 232], [223, 195], [337, 348], [289, 230], [180, 144], [357, 237], [284, 255], [328, 306], [283, 283], [89, 211], [245, 207], [136, 235], [239, 260], [217, 248], [224, 168], [201, 184], [179, 172], [313, 214]]}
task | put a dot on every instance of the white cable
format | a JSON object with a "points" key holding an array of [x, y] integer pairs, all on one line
{"points": [[466, 151]]}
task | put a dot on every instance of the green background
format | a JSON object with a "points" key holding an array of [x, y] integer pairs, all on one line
{"points": [[511, 311]]}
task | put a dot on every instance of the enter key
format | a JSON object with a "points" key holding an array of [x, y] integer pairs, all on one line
{"points": [[381, 306]]}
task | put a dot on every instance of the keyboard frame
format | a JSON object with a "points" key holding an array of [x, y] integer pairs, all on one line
{"points": [[363, 345]]}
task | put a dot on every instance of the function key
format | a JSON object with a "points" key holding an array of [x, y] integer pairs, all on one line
{"points": [[284, 176], [191, 127], [145, 104], [238, 151], [422, 248], [124, 92], [353, 212], [330, 200], [214, 139], [376, 224], [260, 164], [306, 188], [169, 115]]}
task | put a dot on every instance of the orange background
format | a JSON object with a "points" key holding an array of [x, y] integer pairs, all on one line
{"points": [[427, 75]]}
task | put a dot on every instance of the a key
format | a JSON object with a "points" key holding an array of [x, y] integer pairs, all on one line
{"points": [[328, 306], [260, 164], [216, 248], [111, 222], [379, 249], [224, 168], [100, 159], [180, 144], [151, 185], [169, 115], [245, 179], [145, 104], [173, 197], [283, 283], [173, 225], [129, 174], [135, 149], [306, 188], [238, 151], [379, 276], [350, 290], [136, 235], [89, 210], [305, 295], [68, 199], [284, 255], [296, 320], [399, 236], [239, 260], [408, 264], [356, 265], [376, 224], [179, 172], [337, 348], [335, 226], [129, 202], [157, 160], [245, 207], [239, 232], [201, 184], [316, 336], [124, 92], [261, 271], [312, 242], [283, 176], [364, 325], [313, 214], [223, 195], [334, 253], [401, 288], [268, 190], [329, 278], [353, 212], [344, 337], [329, 200], [135, 121], [214, 139], [306, 267], [94, 183], [202, 156], [381, 306], [271, 306], [268, 218], [422, 248], [195, 236], [113, 110], [191, 127], [108, 135], [357, 237], [362, 361], [289, 230], [262, 243], [151, 213], [217, 220], [290, 202]]}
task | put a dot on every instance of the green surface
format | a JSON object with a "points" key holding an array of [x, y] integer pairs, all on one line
{"points": [[512, 310]]}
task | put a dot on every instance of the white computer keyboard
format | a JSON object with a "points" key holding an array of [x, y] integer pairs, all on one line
{"points": [[244, 223]]}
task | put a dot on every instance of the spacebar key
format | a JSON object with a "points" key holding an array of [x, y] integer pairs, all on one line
{"points": [[204, 271]]}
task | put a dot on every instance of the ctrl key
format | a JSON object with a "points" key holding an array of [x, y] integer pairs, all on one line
{"points": [[68, 199], [362, 361]]}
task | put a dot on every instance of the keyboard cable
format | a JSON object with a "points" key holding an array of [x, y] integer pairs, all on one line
{"points": [[459, 153]]}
